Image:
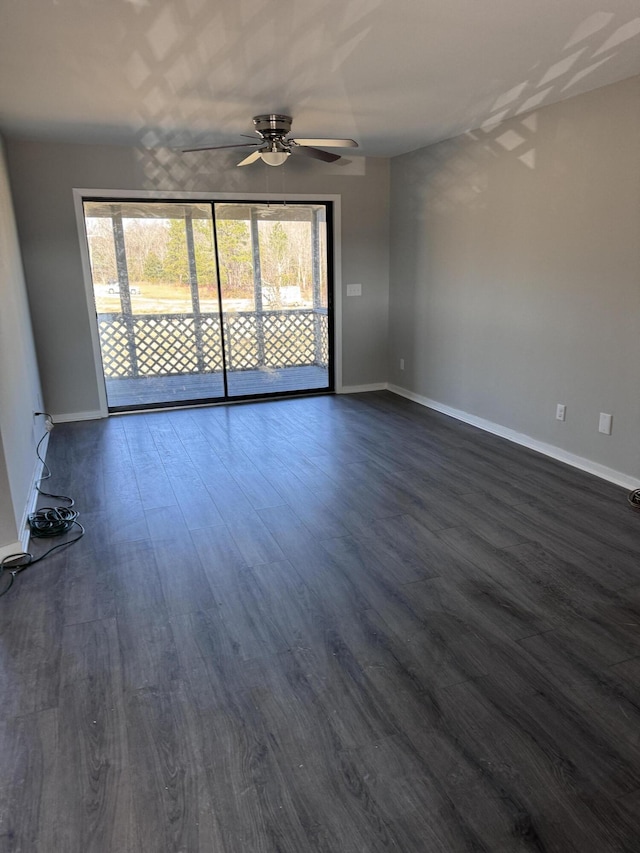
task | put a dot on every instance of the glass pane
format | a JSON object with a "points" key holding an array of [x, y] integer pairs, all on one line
{"points": [[155, 288], [274, 290]]}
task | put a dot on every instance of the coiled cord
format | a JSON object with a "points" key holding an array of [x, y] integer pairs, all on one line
{"points": [[634, 498], [46, 522], [52, 521]]}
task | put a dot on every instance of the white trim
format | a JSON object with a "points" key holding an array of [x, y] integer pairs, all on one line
{"points": [[595, 468], [68, 417], [80, 193], [24, 529], [337, 293], [10, 550], [359, 389], [91, 305]]}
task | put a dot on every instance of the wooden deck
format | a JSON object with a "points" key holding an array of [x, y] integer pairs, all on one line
{"points": [[145, 391]]}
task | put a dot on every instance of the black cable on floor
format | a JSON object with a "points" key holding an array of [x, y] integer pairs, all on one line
{"points": [[45, 522], [46, 471], [634, 498], [52, 521]]}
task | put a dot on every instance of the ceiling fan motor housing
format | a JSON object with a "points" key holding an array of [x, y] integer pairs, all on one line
{"points": [[272, 126]]}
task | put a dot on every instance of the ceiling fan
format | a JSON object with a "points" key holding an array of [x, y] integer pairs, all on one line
{"points": [[275, 145]]}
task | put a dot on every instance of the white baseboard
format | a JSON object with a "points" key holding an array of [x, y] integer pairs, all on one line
{"points": [[77, 416], [359, 389], [9, 550], [24, 529], [602, 471]]}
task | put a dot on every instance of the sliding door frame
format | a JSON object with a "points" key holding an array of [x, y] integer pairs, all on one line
{"points": [[334, 262]]}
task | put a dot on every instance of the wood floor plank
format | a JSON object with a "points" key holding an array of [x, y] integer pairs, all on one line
{"points": [[537, 607], [413, 543], [242, 600], [319, 518], [613, 702], [254, 484], [253, 539], [29, 803], [349, 508], [430, 795], [228, 497], [92, 766], [89, 593], [340, 623], [124, 510], [153, 483], [219, 556], [172, 802], [147, 649], [165, 522], [166, 440], [30, 636], [135, 578], [193, 498], [326, 792], [184, 583], [534, 758], [562, 541]]}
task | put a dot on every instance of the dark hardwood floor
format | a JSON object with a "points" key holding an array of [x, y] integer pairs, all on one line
{"points": [[329, 624]]}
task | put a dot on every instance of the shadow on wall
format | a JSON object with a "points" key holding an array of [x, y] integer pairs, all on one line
{"points": [[456, 173], [453, 176], [593, 43]]}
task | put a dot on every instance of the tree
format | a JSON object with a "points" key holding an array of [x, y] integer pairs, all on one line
{"points": [[153, 268], [205, 255], [102, 253], [176, 264], [142, 236], [284, 253], [234, 251]]}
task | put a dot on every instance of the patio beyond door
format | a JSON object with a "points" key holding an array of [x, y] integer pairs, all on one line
{"points": [[200, 302]]}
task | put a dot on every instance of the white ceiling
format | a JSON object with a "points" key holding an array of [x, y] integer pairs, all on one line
{"points": [[393, 74]]}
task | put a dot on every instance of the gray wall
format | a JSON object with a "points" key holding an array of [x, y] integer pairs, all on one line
{"points": [[515, 273], [19, 382], [43, 175]]}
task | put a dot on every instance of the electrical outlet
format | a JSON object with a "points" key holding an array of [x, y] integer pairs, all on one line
{"points": [[402, 364], [561, 412], [605, 423], [48, 421]]}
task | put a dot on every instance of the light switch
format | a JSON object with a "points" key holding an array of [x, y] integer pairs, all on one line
{"points": [[354, 290]]}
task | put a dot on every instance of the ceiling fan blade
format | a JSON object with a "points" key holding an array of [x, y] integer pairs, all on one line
{"points": [[316, 153], [328, 143], [250, 159], [218, 147]]}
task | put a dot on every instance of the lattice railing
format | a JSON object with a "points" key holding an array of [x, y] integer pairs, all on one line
{"points": [[179, 344], [323, 354]]}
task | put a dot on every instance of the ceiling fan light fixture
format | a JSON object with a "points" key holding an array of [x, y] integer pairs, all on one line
{"points": [[274, 157]]}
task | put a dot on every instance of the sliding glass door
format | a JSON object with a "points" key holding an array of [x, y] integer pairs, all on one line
{"points": [[201, 302], [275, 297]]}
